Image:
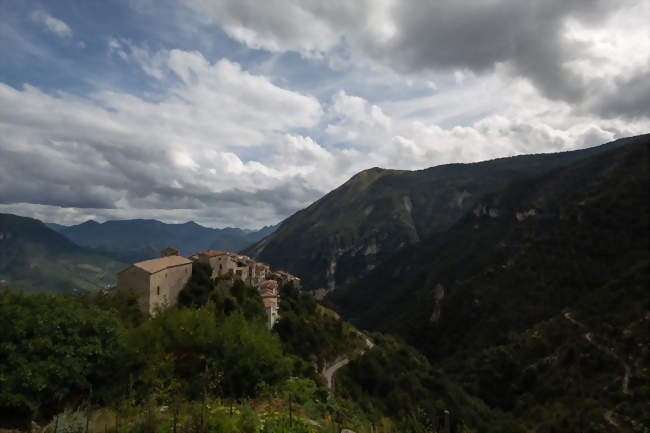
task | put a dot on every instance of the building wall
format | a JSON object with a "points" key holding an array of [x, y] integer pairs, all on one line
{"points": [[138, 280], [167, 284], [271, 316], [242, 272], [220, 264]]}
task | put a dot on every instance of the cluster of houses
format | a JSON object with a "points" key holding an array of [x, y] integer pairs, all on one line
{"points": [[159, 281]]}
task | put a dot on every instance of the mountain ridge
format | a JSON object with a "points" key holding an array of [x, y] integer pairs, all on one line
{"points": [[378, 211], [537, 299], [141, 239]]}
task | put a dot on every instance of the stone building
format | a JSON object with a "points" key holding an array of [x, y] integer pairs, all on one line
{"points": [[270, 297], [157, 282], [283, 277], [221, 262], [242, 267], [234, 266], [260, 274]]}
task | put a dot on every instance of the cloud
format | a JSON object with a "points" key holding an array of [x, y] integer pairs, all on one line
{"points": [[117, 150], [523, 122], [52, 24], [353, 119], [311, 28], [556, 44]]}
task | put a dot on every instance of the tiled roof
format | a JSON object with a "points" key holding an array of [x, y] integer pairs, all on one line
{"points": [[269, 285], [270, 302], [156, 265]]}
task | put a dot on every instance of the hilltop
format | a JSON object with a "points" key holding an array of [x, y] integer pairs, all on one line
{"points": [[359, 225]]}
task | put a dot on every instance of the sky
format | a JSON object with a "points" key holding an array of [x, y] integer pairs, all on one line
{"points": [[240, 112]]}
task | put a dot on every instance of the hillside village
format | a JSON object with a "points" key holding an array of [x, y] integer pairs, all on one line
{"points": [[159, 281]]}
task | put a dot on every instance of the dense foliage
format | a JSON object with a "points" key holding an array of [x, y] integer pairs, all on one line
{"points": [[82, 359], [227, 295], [52, 348]]}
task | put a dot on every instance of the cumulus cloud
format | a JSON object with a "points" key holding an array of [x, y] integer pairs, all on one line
{"points": [[118, 150], [52, 24], [539, 41], [352, 118], [524, 122]]}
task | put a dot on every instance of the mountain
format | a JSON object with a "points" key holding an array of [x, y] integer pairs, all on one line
{"points": [[233, 239], [537, 300], [140, 239], [35, 258], [377, 212]]}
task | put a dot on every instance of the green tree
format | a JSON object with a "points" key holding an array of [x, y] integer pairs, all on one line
{"points": [[52, 348]]}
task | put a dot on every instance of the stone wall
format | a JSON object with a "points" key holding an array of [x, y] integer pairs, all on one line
{"points": [[138, 280], [165, 285]]}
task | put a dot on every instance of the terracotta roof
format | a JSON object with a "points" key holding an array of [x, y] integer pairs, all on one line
{"points": [[270, 302], [156, 265], [269, 284]]}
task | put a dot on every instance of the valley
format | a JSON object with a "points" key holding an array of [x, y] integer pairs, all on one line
{"points": [[504, 296]]}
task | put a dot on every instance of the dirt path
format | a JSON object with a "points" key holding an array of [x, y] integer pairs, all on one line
{"points": [[590, 338]]}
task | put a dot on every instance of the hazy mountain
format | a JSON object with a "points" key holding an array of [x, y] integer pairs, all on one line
{"points": [[366, 220], [139, 239], [34, 257], [537, 299]]}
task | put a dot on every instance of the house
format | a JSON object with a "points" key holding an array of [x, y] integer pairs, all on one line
{"points": [[157, 281], [221, 262], [233, 266], [269, 294], [284, 277]]}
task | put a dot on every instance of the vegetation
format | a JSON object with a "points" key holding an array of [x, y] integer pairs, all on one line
{"points": [[309, 332], [542, 316], [95, 358]]}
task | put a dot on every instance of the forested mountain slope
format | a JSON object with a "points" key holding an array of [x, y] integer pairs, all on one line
{"points": [[537, 299], [377, 212], [35, 258]]}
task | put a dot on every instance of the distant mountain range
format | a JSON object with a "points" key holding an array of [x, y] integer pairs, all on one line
{"points": [[35, 258], [140, 239], [39, 257], [377, 212]]}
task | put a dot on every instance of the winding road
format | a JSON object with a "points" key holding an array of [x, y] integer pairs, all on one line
{"points": [[330, 371]]}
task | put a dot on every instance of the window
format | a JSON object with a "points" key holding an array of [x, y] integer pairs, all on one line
{"points": [[158, 290]]}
